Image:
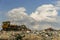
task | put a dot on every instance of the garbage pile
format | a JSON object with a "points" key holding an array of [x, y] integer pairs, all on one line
{"points": [[30, 35], [15, 32]]}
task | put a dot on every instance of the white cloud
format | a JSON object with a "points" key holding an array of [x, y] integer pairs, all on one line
{"points": [[17, 14], [57, 4], [45, 12], [36, 20]]}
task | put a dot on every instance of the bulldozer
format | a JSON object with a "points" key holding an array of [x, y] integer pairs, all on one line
{"points": [[8, 27]]}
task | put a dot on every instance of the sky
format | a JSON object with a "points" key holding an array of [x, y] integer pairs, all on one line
{"points": [[36, 14]]}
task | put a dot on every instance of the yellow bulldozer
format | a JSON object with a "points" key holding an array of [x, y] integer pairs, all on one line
{"points": [[7, 26]]}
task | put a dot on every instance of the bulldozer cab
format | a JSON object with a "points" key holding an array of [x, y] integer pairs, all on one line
{"points": [[5, 24]]}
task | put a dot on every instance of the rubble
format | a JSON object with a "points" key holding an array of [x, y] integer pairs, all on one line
{"points": [[46, 34], [35, 35]]}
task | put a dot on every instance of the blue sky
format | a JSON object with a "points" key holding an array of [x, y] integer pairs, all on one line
{"points": [[29, 5]]}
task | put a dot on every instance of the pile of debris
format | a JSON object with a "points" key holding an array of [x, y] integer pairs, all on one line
{"points": [[15, 32]]}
